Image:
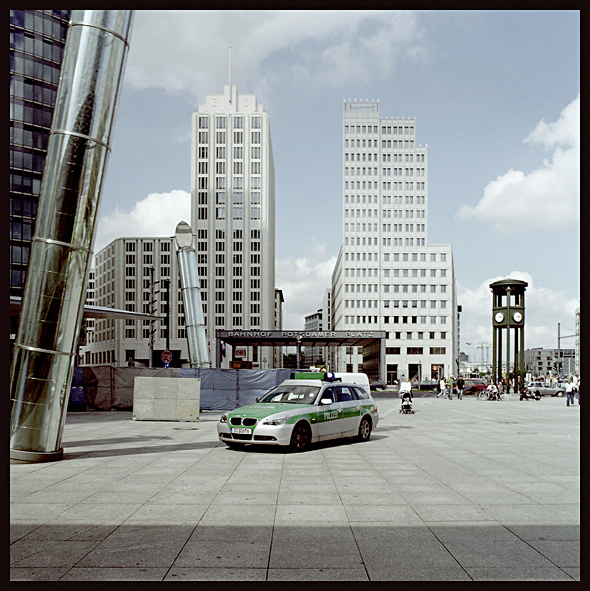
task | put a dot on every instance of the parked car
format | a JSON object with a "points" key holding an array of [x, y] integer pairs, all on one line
{"points": [[543, 389], [378, 385], [474, 386], [302, 411]]}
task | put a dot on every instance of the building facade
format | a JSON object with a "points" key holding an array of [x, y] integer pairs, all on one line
{"points": [[137, 275], [233, 215], [545, 362], [37, 41], [387, 276], [314, 356]]}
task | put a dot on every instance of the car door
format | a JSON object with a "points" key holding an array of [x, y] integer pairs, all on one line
{"points": [[329, 415], [351, 410]]}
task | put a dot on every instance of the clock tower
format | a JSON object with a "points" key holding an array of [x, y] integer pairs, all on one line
{"points": [[507, 320]]}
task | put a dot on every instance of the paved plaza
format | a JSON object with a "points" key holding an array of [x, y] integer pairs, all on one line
{"points": [[461, 490]]}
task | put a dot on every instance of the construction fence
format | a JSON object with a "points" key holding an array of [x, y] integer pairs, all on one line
{"points": [[105, 387]]}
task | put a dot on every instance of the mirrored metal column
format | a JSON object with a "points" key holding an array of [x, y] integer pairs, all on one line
{"points": [[198, 349], [55, 288]]}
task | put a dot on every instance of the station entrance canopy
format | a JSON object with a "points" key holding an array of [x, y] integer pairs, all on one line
{"points": [[372, 341]]}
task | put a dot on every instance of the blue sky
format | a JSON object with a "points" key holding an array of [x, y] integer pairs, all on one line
{"points": [[495, 95]]}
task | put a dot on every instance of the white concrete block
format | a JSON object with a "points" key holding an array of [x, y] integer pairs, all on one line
{"points": [[166, 399]]}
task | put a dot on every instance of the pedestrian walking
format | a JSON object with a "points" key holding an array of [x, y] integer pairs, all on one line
{"points": [[569, 391], [450, 382], [460, 387], [579, 390], [442, 385]]}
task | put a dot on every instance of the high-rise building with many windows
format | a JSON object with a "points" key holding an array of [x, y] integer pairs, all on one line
{"points": [[387, 276], [233, 215], [137, 275], [37, 41]]}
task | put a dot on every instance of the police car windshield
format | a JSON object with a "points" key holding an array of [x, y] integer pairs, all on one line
{"points": [[292, 394]]}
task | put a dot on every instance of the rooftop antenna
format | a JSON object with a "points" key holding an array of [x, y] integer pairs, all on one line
{"points": [[229, 75]]}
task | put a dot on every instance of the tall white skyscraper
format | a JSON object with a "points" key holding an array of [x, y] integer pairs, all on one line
{"points": [[233, 215], [388, 277]]}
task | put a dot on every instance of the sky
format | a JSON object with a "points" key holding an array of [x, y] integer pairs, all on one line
{"points": [[496, 98]]}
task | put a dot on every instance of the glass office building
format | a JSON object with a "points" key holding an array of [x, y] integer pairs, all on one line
{"points": [[37, 41]]}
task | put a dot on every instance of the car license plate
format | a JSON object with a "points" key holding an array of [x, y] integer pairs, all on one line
{"points": [[241, 431]]}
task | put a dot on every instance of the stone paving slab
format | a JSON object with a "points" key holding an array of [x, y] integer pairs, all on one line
{"points": [[460, 491]]}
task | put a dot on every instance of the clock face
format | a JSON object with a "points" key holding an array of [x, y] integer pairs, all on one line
{"points": [[499, 317], [517, 316]]}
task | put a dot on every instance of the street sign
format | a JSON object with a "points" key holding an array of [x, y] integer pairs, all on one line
{"points": [[166, 356]]}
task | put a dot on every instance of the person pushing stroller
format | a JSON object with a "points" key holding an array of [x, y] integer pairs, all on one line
{"points": [[405, 392]]}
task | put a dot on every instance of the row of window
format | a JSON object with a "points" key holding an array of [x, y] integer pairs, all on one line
{"points": [[374, 171], [220, 235], [26, 159], [220, 246], [220, 182], [385, 213], [220, 137], [31, 90], [238, 167], [220, 259], [238, 153], [386, 185], [417, 350], [366, 319], [385, 129], [220, 121], [394, 288], [148, 259], [388, 257], [374, 157], [237, 213], [395, 303], [53, 23], [237, 321], [31, 67], [147, 246], [397, 228]]}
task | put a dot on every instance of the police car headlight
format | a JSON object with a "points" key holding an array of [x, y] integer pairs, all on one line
{"points": [[278, 421], [223, 419]]}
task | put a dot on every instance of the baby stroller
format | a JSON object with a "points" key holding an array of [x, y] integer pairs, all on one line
{"points": [[406, 407]]}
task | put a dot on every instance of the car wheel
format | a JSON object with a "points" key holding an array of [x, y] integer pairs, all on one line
{"points": [[301, 437], [560, 394], [364, 430]]}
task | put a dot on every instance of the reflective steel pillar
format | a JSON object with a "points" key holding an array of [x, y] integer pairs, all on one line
{"points": [[61, 251], [198, 350]]}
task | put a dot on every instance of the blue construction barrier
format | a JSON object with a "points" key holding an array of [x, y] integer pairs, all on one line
{"points": [[111, 388]]}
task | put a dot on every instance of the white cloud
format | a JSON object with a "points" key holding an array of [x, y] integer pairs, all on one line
{"points": [[303, 282], [549, 196], [155, 216], [187, 51], [544, 309]]}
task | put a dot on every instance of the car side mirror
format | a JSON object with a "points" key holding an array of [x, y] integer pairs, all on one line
{"points": [[258, 399], [326, 401]]}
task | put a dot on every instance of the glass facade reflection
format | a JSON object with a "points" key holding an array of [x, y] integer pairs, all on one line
{"points": [[37, 41]]}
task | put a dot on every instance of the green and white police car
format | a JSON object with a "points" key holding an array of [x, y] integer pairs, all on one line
{"points": [[311, 407]]}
